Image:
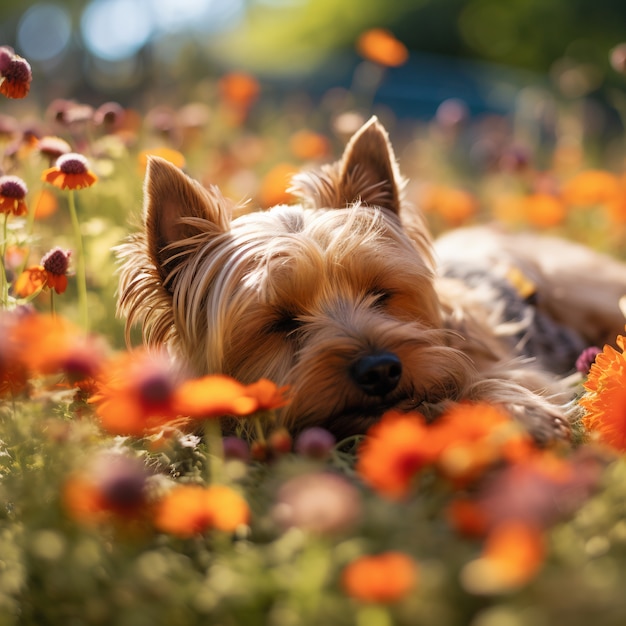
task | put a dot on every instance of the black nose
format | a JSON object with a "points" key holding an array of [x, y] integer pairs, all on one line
{"points": [[377, 374]]}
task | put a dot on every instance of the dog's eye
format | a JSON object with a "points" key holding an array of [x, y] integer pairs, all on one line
{"points": [[284, 324]]}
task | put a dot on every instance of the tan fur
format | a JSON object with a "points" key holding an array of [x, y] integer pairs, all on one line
{"points": [[305, 294]]}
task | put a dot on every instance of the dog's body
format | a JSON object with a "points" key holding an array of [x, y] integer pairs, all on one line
{"points": [[341, 298]]}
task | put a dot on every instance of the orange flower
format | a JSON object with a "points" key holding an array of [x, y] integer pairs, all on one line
{"points": [[134, 393], [70, 172], [394, 451], [512, 555], [44, 203], [274, 185], [13, 371], [15, 74], [173, 156], [12, 193], [543, 210], [239, 89], [187, 510], [380, 46], [51, 344], [30, 281], [267, 395], [605, 399], [469, 438], [307, 145], [113, 486], [592, 187], [455, 206], [383, 578]]}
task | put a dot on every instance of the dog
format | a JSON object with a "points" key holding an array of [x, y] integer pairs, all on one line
{"points": [[346, 299]]}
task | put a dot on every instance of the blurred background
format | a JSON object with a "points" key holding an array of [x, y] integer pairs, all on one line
{"points": [[162, 50]]}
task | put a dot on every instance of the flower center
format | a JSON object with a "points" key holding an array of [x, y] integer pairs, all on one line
{"points": [[18, 71], [72, 163], [56, 261], [12, 187]]}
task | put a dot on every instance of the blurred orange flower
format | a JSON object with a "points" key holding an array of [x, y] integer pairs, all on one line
{"points": [[13, 190], [274, 185], [187, 510], [512, 556], [71, 171], [45, 203], [455, 206], [591, 187], [543, 210], [50, 344], [394, 451], [13, 371], [382, 578], [173, 156], [239, 89], [380, 46], [605, 399], [309, 145], [30, 281]]}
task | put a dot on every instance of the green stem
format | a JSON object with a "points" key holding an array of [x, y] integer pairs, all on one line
{"points": [[215, 449], [81, 274], [3, 275], [52, 309]]}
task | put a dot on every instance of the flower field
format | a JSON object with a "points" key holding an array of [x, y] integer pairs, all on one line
{"points": [[120, 500]]}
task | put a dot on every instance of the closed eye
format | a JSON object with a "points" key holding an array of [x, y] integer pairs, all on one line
{"points": [[382, 296], [284, 324]]}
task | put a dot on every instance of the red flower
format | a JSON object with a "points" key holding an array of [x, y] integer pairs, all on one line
{"points": [[15, 74], [13, 190]]}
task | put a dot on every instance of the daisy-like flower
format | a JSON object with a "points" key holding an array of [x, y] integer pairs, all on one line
{"points": [[187, 510], [55, 263], [13, 190], [71, 171], [113, 485], [15, 74], [383, 578], [53, 147], [605, 399]]}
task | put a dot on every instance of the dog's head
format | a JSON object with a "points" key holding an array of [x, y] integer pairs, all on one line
{"points": [[333, 297]]}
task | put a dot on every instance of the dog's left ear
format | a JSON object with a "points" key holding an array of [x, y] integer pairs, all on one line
{"points": [[368, 169]]}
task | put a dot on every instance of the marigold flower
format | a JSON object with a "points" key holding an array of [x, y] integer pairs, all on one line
{"points": [[380, 46], [13, 190], [512, 555], [187, 510], [605, 399], [70, 172], [15, 74], [393, 453], [383, 578]]}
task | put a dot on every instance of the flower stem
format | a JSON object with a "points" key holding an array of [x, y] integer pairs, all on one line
{"points": [[81, 275], [215, 450], [4, 291], [52, 308]]}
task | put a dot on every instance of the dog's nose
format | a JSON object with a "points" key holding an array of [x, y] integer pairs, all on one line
{"points": [[377, 374]]}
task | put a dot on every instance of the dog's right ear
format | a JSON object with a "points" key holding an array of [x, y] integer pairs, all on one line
{"points": [[176, 209]]}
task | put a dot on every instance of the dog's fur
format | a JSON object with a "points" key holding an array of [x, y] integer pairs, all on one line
{"points": [[344, 298]]}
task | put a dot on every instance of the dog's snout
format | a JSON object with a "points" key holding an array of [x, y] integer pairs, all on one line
{"points": [[377, 374]]}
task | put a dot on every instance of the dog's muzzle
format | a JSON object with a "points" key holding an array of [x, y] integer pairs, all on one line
{"points": [[377, 374]]}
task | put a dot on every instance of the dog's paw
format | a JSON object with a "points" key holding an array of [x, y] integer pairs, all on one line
{"points": [[546, 424]]}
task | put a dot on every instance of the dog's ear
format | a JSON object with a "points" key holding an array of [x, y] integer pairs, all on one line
{"points": [[368, 169], [176, 208]]}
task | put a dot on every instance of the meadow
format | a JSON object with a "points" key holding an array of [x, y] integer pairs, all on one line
{"points": [[113, 508]]}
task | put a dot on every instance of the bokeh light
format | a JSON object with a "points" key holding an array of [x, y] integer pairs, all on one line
{"points": [[43, 32]]}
